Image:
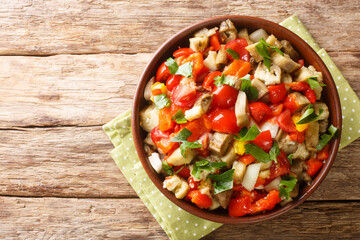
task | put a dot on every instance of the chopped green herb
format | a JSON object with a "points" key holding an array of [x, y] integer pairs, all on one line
{"points": [[161, 101], [184, 70], [290, 158], [167, 168], [325, 138], [179, 117], [205, 165], [172, 65], [220, 80], [287, 184], [313, 82], [274, 151], [249, 135], [309, 115], [182, 137], [223, 181], [257, 153], [235, 55], [185, 145], [251, 92], [262, 49]]}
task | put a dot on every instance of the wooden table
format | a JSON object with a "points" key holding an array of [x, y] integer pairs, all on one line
{"points": [[68, 67]]}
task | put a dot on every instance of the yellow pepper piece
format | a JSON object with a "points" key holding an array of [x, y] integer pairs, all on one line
{"points": [[239, 147], [158, 86], [300, 127]]}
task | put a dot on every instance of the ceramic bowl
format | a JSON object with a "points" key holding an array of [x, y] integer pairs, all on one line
{"points": [[181, 39]]}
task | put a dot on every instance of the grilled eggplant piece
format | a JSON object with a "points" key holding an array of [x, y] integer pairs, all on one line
{"points": [[219, 142], [287, 48], [284, 62], [242, 111]]}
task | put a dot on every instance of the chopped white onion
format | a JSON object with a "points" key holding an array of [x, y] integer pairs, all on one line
{"points": [[251, 175], [274, 184], [269, 125], [258, 34], [155, 162]]}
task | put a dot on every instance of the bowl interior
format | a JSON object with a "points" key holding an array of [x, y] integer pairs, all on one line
{"points": [[181, 39]]}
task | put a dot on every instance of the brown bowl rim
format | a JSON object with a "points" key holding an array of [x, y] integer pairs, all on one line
{"points": [[335, 119]]}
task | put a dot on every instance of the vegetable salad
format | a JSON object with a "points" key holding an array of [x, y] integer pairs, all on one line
{"points": [[236, 121]]}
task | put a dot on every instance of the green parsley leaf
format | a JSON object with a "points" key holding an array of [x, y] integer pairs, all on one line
{"points": [[205, 165], [272, 47], [161, 101], [251, 92], [179, 117], [185, 69], [309, 115], [175, 69], [220, 80], [172, 65], [325, 138], [287, 184], [235, 55], [250, 134], [262, 49], [257, 153], [182, 136], [290, 158], [185, 145], [313, 82], [274, 151], [167, 168], [223, 181]]}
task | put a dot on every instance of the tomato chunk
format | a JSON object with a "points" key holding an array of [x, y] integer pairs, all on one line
{"points": [[238, 45], [277, 93], [193, 184], [183, 52], [323, 154], [264, 140], [184, 172], [276, 108], [291, 103], [215, 41], [239, 206], [224, 96], [314, 165], [282, 167], [199, 199], [184, 94], [208, 83], [259, 110], [247, 159], [266, 203], [224, 120], [173, 81], [162, 73], [285, 122]]}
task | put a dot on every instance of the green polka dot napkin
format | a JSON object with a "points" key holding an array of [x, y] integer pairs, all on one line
{"points": [[177, 223]]}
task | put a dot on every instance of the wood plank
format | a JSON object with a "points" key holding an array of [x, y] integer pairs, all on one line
{"points": [[85, 90], [58, 27], [75, 162], [52, 218]]}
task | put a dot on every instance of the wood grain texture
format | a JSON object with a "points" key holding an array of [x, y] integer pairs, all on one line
{"points": [[62, 218], [56, 27], [75, 162], [85, 90], [57, 179]]}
